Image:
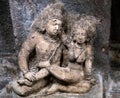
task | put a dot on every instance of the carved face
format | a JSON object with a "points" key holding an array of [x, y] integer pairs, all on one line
{"points": [[80, 35], [53, 27]]}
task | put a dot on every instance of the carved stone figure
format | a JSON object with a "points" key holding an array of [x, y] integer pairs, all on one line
{"points": [[76, 75], [45, 38], [64, 59]]}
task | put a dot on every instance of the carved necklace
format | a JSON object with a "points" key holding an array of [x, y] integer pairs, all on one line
{"points": [[54, 39], [76, 46]]}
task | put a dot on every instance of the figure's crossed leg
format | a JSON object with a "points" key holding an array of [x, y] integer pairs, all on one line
{"points": [[26, 90], [81, 87], [66, 74]]}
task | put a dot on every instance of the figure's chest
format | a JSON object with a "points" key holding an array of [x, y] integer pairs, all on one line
{"points": [[45, 47], [77, 53]]}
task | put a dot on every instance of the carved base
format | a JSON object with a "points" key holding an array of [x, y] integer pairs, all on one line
{"points": [[95, 92]]}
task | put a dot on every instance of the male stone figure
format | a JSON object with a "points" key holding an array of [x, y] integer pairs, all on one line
{"points": [[45, 38]]}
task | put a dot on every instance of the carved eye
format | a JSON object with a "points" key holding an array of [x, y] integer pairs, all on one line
{"points": [[54, 20], [82, 33], [33, 37]]}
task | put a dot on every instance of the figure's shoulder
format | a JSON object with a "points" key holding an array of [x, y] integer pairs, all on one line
{"points": [[34, 35], [89, 48]]}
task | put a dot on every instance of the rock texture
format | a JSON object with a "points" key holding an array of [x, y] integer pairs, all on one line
{"points": [[6, 30], [23, 13], [96, 92]]}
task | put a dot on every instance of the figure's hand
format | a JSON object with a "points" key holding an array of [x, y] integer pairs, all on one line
{"points": [[44, 64], [30, 76]]}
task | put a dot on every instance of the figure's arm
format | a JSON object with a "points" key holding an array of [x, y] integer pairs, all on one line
{"points": [[89, 60], [26, 49]]}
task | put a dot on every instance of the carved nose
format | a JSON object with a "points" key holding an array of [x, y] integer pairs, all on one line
{"points": [[57, 27]]}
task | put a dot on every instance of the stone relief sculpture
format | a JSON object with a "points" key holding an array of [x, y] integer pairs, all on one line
{"points": [[63, 59], [46, 40]]}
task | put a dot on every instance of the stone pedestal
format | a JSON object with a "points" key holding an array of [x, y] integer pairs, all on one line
{"points": [[95, 92]]}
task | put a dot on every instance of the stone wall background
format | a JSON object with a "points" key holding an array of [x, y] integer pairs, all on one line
{"points": [[23, 13], [8, 65], [6, 36]]}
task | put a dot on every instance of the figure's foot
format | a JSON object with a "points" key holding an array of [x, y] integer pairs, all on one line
{"points": [[24, 82], [54, 88], [88, 77], [91, 79], [20, 90], [43, 90]]}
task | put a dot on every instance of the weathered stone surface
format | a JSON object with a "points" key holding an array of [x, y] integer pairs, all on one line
{"points": [[6, 30], [95, 92], [113, 90], [23, 12], [8, 71]]}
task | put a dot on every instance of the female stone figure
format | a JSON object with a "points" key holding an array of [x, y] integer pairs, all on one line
{"points": [[77, 59], [45, 38]]}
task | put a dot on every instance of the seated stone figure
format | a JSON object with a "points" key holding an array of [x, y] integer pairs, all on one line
{"points": [[45, 38], [75, 77]]}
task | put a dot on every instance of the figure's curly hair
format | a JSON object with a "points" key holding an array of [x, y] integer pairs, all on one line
{"points": [[52, 11], [87, 23]]}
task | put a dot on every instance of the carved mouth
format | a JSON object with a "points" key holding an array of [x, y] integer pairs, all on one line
{"points": [[56, 31]]}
